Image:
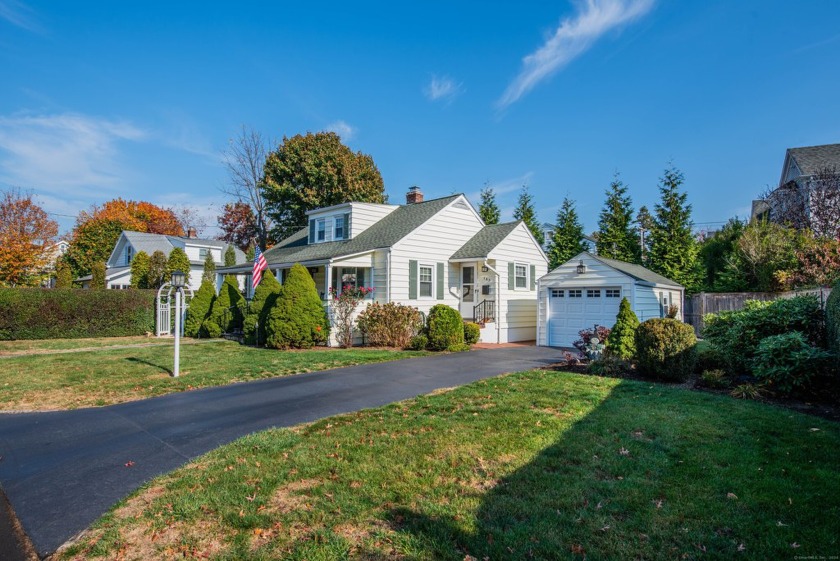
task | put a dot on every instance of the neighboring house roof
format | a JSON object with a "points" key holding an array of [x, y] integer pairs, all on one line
{"points": [[149, 243], [384, 233], [485, 240], [810, 159], [109, 274], [636, 271]]}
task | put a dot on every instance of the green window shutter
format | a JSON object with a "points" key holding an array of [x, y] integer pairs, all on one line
{"points": [[533, 275], [440, 281], [360, 277], [412, 280], [311, 231], [511, 277], [347, 226]]}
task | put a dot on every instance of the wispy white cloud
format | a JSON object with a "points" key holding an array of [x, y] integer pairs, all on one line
{"points": [[19, 14], [442, 88], [68, 154], [571, 39], [342, 129]]}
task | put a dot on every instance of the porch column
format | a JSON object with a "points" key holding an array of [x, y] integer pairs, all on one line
{"points": [[327, 281]]}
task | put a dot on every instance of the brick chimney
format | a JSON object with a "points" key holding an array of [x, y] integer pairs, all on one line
{"points": [[414, 195], [191, 233]]}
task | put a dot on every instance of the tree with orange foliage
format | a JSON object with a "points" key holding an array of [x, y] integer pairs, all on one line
{"points": [[98, 229], [26, 240]]}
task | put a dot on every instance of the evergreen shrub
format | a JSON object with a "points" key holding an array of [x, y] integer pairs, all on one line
{"points": [[265, 296], [199, 309], [472, 333], [621, 341], [445, 327], [298, 318], [666, 349]]}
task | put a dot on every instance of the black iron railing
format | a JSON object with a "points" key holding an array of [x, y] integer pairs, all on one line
{"points": [[484, 311]]}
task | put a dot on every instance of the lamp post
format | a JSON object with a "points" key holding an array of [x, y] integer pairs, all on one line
{"points": [[178, 284]]}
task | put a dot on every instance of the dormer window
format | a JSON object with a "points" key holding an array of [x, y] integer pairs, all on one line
{"points": [[339, 228], [129, 253], [321, 230]]}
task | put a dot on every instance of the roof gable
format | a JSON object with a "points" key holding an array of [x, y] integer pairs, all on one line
{"points": [[811, 159], [484, 241], [637, 272]]}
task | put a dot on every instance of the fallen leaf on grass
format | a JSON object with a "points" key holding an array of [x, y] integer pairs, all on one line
{"points": [[731, 496], [795, 545], [129, 463], [624, 451], [741, 547]]}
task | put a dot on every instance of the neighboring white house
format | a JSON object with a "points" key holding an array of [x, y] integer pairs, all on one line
{"points": [[548, 233], [129, 244], [587, 290], [422, 254]]}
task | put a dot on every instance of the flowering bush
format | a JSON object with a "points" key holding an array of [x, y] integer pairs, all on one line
{"points": [[390, 325], [344, 305]]}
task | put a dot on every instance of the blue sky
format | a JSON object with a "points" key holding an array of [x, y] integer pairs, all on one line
{"points": [[138, 99]]}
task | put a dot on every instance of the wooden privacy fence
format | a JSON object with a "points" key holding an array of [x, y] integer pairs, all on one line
{"points": [[698, 305]]}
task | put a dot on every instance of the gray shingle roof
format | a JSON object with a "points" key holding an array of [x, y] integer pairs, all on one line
{"points": [[810, 159], [384, 233], [636, 271], [483, 242], [142, 241]]}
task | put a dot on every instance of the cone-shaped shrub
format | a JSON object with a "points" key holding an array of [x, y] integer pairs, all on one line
{"points": [[621, 341], [178, 261], [199, 309], [265, 297], [227, 308], [298, 318]]}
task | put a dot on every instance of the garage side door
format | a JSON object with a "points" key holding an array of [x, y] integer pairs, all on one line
{"points": [[573, 309]]}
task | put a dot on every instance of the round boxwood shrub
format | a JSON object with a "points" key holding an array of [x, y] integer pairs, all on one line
{"points": [[298, 318], [472, 333], [199, 309], [666, 349], [418, 343], [621, 342], [446, 327], [265, 295]]}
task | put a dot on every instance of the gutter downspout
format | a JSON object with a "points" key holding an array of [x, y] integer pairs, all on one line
{"points": [[388, 276], [498, 302]]}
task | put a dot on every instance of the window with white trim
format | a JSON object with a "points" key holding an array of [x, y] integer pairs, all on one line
{"points": [[202, 253], [339, 228], [425, 279], [557, 292], [129, 253], [613, 293], [321, 230], [521, 275], [593, 292], [575, 293]]}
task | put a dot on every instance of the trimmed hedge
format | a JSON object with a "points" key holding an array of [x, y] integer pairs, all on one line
{"points": [[446, 328], [67, 313], [832, 323], [666, 349]]}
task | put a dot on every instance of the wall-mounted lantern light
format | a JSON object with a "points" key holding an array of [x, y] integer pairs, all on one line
{"points": [[581, 268]]}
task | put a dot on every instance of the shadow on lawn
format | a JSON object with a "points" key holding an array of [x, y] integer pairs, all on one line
{"points": [[640, 477], [146, 362]]}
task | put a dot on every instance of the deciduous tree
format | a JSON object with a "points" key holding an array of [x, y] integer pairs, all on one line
{"points": [[488, 209], [63, 275], [97, 276], [567, 239], [673, 248], [245, 159], [525, 212], [26, 239], [238, 224], [813, 205], [312, 171], [616, 238], [716, 251]]}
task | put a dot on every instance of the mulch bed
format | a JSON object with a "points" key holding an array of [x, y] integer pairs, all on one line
{"points": [[825, 410]]}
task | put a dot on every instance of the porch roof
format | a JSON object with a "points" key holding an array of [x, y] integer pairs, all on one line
{"points": [[484, 241]]}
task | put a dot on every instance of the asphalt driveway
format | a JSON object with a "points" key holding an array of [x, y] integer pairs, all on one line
{"points": [[62, 470]]}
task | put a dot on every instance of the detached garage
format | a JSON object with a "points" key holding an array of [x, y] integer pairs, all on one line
{"points": [[587, 290]]}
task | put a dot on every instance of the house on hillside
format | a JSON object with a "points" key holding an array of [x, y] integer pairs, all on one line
{"points": [[800, 169], [129, 244], [587, 290], [421, 254]]}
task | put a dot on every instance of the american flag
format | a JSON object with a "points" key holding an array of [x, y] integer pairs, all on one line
{"points": [[260, 265]]}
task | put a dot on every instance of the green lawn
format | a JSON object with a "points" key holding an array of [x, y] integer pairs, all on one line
{"points": [[46, 345], [40, 382], [535, 465]]}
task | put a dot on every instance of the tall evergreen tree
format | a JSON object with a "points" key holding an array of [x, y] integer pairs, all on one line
{"points": [[525, 212], [140, 270], [488, 209], [157, 270], [209, 273], [616, 238], [178, 261], [673, 249], [567, 239], [230, 256]]}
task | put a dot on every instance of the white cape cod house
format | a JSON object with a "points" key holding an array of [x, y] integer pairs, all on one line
{"points": [[129, 244], [422, 254]]}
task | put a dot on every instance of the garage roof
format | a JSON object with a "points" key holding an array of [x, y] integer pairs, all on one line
{"points": [[636, 271]]}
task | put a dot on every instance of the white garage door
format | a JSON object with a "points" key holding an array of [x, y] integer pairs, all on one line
{"points": [[573, 309]]}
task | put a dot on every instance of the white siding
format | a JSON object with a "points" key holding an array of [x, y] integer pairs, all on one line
{"points": [[365, 215], [516, 310], [434, 242], [194, 253]]}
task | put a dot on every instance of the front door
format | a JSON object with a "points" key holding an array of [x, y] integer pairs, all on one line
{"points": [[468, 300]]}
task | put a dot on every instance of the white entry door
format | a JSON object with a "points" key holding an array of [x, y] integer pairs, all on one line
{"points": [[468, 297]]}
